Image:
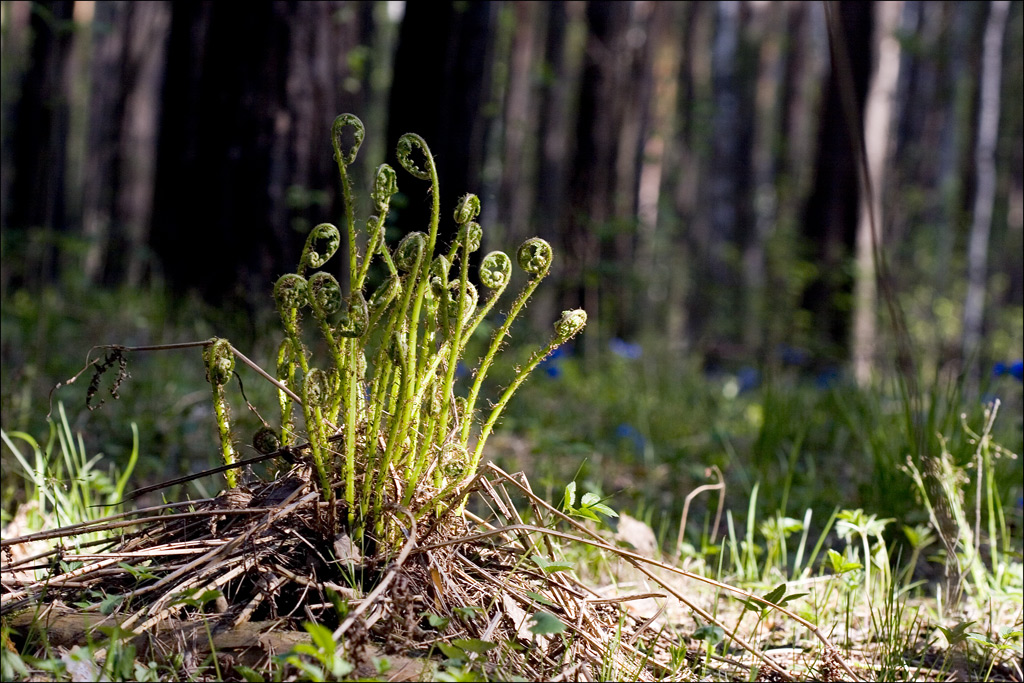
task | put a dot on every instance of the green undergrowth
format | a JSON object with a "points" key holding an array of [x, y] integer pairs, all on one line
{"points": [[642, 430]]}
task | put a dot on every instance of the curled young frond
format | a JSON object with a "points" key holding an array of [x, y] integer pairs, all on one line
{"points": [[455, 460], [266, 440], [570, 324], [385, 293], [535, 256], [324, 294], [471, 234], [438, 275], [495, 270], [410, 250], [290, 292], [406, 143], [220, 362], [440, 267], [285, 359], [357, 317], [358, 133], [385, 184], [467, 209], [321, 244], [469, 301], [316, 387]]}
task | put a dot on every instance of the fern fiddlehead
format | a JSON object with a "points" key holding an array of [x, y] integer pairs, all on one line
{"points": [[220, 364]]}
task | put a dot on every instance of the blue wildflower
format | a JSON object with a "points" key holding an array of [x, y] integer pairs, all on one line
{"points": [[827, 378], [630, 433], [625, 349], [552, 365], [791, 355], [748, 378], [1015, 370]]}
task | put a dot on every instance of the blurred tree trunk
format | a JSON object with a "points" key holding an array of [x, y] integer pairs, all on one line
{"points": [[592, 176], [561, 65], [804, 70], [245, 157], [653, 263], [515, 162], [35, 199], [124, 111], [14, 58], [728, 179], [376, 29], [637, 131], [441, 83], [767, 108], [984, 198], [688, 153], [830, 214], [877, 127]]}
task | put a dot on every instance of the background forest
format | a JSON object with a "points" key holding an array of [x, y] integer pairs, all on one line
{"points": [[691, 163], [796, 230]]}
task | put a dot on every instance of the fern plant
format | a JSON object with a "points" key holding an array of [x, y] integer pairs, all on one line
{"points": [[384, 425]]}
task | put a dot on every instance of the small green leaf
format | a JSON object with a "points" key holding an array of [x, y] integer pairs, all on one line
{"points": [[549, 567], [110, 603], [440, 623], [546, 624], [250, 675], [341, 668], [791, 596], [710, 633], [474, 645], [775, 594], [540, 598], [453, 653], [980, 639], [586, 513], [340, 602], [459, 674], [570, 496], [321, 635], [840, 565], [603, 509], [468, 612], [138, 573], [752, 605], [958, 633]]}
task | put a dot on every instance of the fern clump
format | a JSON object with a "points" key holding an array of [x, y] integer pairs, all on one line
{"points": [[384, 425]]}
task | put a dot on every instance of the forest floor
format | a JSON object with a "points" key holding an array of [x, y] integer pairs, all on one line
{"points": [[248, 586]]}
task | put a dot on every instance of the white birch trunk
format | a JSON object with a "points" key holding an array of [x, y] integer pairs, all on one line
{"points": [[985, 167], [878, 114]]}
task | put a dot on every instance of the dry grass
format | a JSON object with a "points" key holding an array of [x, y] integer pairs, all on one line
{"points": [[238, 575]]}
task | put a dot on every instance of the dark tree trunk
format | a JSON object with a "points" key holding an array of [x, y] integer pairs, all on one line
{"points": [[245, 157], [441, 84], [830, 215], [39, 144], [124, 110], [591, 190], [558, 95], [515, 194]]}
